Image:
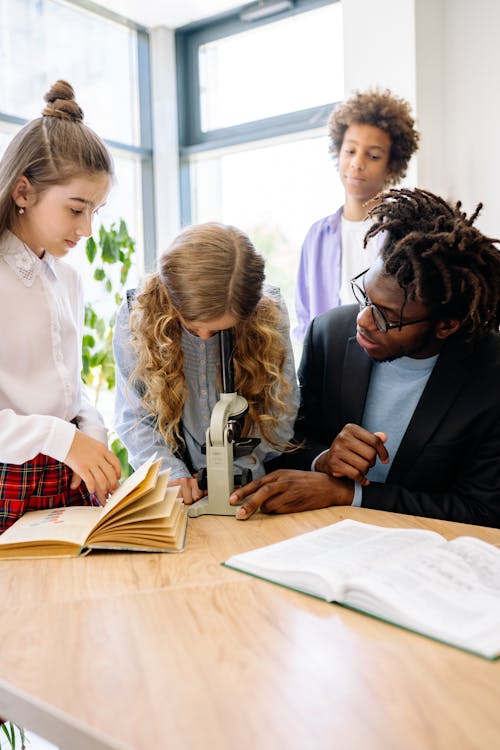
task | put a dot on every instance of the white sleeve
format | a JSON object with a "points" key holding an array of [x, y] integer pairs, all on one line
{"points": [[23, 437], [89, 418]]}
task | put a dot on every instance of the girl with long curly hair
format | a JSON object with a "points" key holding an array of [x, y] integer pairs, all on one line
{"points": [[167, 353]]}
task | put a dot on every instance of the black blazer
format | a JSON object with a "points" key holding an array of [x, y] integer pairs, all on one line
{"points": [[448, 462]]}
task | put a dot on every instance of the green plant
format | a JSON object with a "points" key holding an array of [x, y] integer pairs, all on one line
{"points": [[110, 258], [12, 732]]}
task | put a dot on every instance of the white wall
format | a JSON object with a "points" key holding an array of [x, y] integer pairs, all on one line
{"points": [[472, 120], [444, 57], [431, 94], [379, 46]]}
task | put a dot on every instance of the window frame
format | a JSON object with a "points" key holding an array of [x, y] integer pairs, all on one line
{"points": [[188, 40], [192, 139]]}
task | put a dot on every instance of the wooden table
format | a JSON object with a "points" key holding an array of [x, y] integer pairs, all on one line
{"points": [[148, 651]]}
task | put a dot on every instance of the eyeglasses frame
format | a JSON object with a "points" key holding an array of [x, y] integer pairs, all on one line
{"points": [[365, 301]]}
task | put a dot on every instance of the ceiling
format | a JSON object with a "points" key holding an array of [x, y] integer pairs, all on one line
{"points": [[170, 13]]}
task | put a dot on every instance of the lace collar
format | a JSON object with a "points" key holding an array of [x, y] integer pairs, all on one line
{"points": [[23, 261]]}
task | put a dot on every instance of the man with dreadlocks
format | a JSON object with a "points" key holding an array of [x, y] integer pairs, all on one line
{"points": [[400, 396]]}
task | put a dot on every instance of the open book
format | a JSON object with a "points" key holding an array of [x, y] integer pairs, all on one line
{"points": [[447, 590], [143, 514]]}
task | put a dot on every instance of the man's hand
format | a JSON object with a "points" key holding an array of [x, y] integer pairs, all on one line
{"points": [[92, 462], [290, 491], [353, 452], [189, 490]]}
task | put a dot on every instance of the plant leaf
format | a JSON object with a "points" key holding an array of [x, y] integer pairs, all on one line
{"points": [[91, 249]]}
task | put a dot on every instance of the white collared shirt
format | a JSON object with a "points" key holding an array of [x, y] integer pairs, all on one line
{"points": [[41, 325]]}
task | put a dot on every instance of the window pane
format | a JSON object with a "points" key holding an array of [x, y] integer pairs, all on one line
{"points": [[274, 194], [7, 132], [43, 40], [280, 67], [124, 202], [125, 198]]}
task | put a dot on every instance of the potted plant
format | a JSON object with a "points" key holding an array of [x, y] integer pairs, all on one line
{"points": [[110, 258]]}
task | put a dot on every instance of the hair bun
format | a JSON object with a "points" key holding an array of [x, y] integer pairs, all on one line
{"points": [[61, 103]]}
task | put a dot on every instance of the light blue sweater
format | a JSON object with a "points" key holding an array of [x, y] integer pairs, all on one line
{"points": [[393, 394]]}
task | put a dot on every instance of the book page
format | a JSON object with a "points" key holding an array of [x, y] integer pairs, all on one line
{"points": [[72, 524], [451, 592], [67, 524], [320, 562], [156, 515], [153, 500], [159, 509], [160, 534], [136, 485]]}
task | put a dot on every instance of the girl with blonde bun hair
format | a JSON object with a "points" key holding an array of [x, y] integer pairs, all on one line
{"points": [[211, 278], [54, 175]]}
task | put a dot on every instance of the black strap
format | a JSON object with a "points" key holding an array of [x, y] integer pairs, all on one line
{"points": [[130, 297]]}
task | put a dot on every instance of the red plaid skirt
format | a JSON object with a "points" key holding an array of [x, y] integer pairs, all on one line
{"points": [[40, 483]]}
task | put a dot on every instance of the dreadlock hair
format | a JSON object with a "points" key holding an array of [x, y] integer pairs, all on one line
{"points": [[439, 258]]}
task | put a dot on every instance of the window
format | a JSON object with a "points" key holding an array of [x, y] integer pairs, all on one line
{"points": [[266, 71], [112, 90], [254, 101]]}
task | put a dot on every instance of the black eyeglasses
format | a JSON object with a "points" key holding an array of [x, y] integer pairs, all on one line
{"points": [[379, 318]]}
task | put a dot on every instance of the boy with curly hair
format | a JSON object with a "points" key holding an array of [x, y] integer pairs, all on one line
{"points": [[372, 138]]}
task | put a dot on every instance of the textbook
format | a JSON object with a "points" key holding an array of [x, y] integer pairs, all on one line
{"points": [[143, 514], [413, 578]]}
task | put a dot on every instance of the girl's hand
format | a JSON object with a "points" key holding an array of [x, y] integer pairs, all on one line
{"points": [[189, 490], [97, 466]]}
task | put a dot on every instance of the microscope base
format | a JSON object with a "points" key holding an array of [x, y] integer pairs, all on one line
{"points": [[204, 507]]}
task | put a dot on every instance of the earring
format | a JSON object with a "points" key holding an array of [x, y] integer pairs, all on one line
{"points": [[20, 210]]}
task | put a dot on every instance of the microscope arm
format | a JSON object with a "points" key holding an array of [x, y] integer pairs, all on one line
{"points": [[220, 441]]}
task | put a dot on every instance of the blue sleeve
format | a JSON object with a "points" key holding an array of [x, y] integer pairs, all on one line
{"points": [[358, 490], [358, 495]]}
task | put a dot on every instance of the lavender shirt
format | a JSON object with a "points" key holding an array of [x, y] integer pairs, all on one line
{"points": [[320, 274]]}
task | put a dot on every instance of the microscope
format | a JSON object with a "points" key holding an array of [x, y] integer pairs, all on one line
{"points": [[223, 442]]}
